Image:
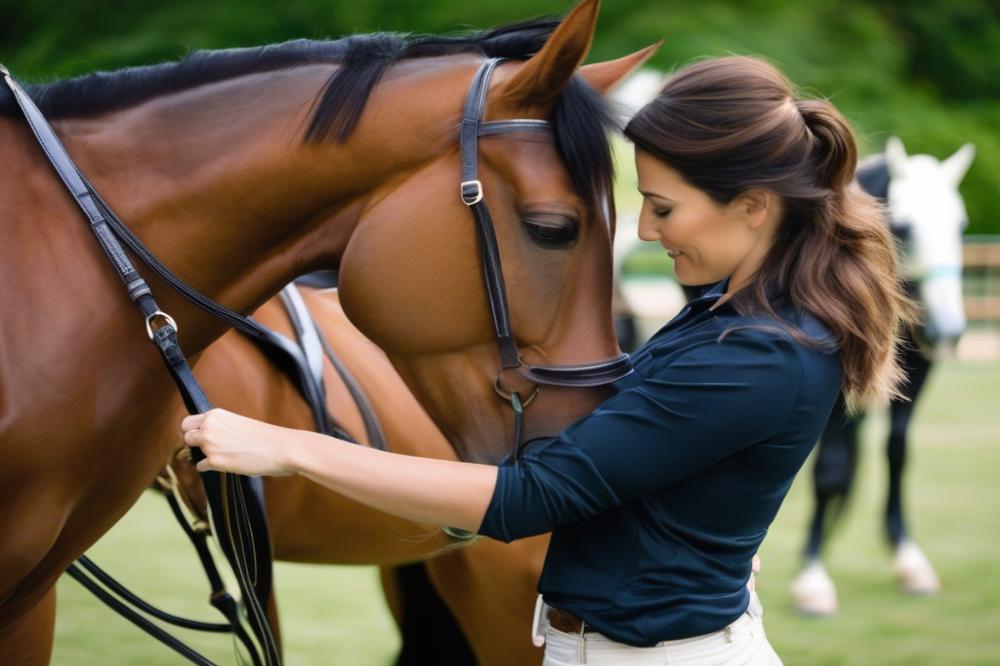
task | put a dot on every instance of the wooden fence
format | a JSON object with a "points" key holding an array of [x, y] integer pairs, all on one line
{"points": [[981, 278]]}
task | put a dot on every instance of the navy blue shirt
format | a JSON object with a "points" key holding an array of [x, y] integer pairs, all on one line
{"points": [[658, 500]]}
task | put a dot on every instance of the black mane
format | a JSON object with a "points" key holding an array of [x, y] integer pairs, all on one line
{"points": [[873, 176], [581, 118]]}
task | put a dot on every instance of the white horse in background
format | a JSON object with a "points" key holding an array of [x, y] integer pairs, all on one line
{"points": [[927, 215]]}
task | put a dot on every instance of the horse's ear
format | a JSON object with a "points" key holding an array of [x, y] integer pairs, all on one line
{"points": [[541, 79], [603, 76], [956, 166], [895, 155]]}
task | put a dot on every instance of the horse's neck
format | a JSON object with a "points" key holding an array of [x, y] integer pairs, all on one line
{"points": [[220, 186]]}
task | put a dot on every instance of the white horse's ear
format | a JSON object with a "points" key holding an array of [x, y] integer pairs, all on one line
{"points": [[956, 166], [895, 155]]}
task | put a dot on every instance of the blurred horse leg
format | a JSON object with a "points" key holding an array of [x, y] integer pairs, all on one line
{"points": [[491, 587], [429, 632], [915, 572], [28, 641], [813, 590], [917, 368], [833, 473]]}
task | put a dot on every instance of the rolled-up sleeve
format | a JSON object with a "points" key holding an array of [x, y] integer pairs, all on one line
{"points": [[709, 402]]}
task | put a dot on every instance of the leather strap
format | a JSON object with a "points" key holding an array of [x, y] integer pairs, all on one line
{"points": [[78, 574], [473, 127], [301, 320], [472, 196], [590, 374], [248, 552], [565, 621]]}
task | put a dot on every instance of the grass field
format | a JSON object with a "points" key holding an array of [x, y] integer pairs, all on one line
{"points": [[335, 615]]}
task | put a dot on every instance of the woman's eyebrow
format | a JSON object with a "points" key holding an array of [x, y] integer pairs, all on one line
{"points": [[655, 196]]}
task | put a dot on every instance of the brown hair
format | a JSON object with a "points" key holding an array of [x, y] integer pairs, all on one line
{"points": [[731, 124]]}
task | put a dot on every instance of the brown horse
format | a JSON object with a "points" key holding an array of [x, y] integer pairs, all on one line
{"points": [[206, 162], [489, 585]]}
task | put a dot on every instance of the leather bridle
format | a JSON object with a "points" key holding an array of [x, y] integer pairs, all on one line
{"points": [[590, 374], [471, 189]]}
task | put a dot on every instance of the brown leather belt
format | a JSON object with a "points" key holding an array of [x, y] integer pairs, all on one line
{"points": [[565, 621]]}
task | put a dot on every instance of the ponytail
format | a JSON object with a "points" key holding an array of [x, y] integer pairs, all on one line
{"points": [[834, 147]]}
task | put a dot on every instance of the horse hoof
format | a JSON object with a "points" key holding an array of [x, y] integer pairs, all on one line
{"points": [[813, 591], [914, 571]]}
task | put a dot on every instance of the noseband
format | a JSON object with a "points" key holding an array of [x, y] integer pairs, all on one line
{"points": [[473, 127]]}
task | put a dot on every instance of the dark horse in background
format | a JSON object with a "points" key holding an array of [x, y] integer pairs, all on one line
{"points": [[927, 215]]}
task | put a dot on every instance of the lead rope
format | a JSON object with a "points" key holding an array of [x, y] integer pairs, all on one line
{"points": [[99, 215], [515, 403]]}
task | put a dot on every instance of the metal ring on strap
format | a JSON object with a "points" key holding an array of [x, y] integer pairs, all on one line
{"points": [[508, 397], [164, 315]]}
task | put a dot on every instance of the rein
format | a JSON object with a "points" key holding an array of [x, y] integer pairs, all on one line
{"points": [[309, 348], [239, 524]]}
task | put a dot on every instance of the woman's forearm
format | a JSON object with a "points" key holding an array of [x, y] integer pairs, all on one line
{"points": [[396, 483], [440, 492]]}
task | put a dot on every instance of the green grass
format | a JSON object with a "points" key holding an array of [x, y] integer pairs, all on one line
{"points": [[954, 508], [330, 615], [335, 615]]}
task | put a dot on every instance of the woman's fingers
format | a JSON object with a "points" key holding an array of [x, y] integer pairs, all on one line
{"points": [[235, 443], [195, 429], [194, 421]]}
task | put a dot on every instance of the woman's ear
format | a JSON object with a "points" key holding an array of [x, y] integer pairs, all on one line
{"points": [[755, 207]]}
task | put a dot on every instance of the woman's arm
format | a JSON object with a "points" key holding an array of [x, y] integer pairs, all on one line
{"points": [[440, 492]]}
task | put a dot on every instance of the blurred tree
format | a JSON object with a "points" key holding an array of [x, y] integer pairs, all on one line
{"points": [[951, 46], [927, 71]]}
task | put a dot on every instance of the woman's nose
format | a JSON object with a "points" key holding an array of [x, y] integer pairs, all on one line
{"points": [[648, 231]]}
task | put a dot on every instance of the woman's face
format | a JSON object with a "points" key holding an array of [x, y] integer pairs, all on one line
{"points": [[708, 241]]}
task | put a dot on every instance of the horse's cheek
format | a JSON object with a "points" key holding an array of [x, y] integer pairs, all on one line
{"points": [[412, 284]]}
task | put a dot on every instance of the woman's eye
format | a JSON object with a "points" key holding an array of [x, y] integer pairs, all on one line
{"points": [[662, 212], [551, 235]]}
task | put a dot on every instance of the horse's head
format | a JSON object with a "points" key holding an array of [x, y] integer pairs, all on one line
{"points": [[927, 212], [412, 275]]}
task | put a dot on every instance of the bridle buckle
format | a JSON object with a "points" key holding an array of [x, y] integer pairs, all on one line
{"points": [[159, 313], [472, 192]]}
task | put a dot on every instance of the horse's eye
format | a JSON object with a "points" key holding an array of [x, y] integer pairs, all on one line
{"points": [[553, 232]]}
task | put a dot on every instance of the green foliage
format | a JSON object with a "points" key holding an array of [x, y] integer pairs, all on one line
{"points": [[926, 71], [648, 259], [949, 45]]}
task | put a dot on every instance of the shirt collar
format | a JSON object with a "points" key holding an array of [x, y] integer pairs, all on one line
{"points": [[712, 293]]}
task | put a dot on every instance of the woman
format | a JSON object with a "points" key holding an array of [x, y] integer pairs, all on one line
{"points": [[659, 499]]}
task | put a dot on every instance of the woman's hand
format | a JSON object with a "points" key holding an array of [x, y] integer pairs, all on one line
{"points": [[234, 443]]}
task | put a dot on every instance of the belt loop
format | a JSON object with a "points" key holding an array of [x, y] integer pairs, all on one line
{"points": [[729, 633], [581, 646], [537, 633]]}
